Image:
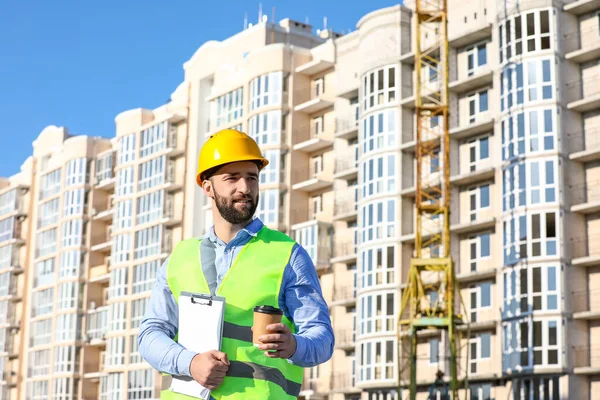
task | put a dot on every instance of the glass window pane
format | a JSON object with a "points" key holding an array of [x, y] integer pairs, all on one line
{"points": [[486, 344], [485, 245]]}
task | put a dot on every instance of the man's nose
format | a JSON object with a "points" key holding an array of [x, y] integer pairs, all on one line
{"points": [[243, 186]]}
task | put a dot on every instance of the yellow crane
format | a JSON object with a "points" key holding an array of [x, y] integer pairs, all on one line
{"points": [[431, 299]]}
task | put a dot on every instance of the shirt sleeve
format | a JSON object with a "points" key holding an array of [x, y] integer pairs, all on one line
{"points": [[159, 327], [302, 301]]}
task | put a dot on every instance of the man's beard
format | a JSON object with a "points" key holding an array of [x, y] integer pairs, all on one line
{"points": [[226, 207]]}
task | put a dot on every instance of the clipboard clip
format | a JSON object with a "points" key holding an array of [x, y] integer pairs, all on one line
{"points": [[201, 299]]}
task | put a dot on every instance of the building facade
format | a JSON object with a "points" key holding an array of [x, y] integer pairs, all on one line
{"points": [[87, 222]]}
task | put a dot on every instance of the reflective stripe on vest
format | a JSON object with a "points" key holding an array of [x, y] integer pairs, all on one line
{"points": [[253, 279]]}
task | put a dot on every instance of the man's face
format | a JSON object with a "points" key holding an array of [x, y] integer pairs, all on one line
{"points": [[234, 189]]}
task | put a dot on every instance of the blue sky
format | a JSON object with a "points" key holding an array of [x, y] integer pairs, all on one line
{"points": [[79, 63]]}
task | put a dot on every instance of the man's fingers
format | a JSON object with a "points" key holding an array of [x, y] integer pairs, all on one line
{"points": [[271, 346], [278, 328], [219, 355], [277, 337], [274, 354]]}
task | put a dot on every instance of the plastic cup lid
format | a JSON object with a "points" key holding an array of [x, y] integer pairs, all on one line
{"points": [[268, 310]]}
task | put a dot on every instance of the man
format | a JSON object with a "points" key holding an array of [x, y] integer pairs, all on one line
{"points": [[272, 269]]}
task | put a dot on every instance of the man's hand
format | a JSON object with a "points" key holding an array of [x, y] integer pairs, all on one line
{"points": [[279, 343], [208, 369]]}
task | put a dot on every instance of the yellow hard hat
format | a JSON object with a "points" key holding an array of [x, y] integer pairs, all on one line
{"points": [[227, 146]]}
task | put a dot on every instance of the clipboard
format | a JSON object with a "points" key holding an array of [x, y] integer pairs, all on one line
{"points": [[201, 319]]}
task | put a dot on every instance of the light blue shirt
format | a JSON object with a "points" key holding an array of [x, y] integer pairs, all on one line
{"points": [[301, 300]]}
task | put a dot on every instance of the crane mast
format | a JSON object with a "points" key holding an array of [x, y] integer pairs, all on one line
{"points": [[431, 298]]}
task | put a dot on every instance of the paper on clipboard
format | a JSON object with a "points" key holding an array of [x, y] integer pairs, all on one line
{"points": [[200, 330]]}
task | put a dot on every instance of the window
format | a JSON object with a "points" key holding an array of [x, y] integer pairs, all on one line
{"points": [[535, 340], [478, 104], [529, 289], [141, 384], [104, 167], [43, 302], [8, 201], [379, 175], [74, 202], [138, 308], [110, 386], [266, 90], [118, 283], [115, 351], [123, 214], [50, 184], [76, 172], [62, 388], [39, 363], [126, 152], [7, 284], [476, 58], [377, 267], [530, 236], [379, 87], [434, 351], [266, 128], [70, 264], [270, 174], [41, 333], [153, 139], [526, 83], [530, 182], [144, 276], [65, 359], [268, 207], [479, 249], [377, 361], [44, 273], [117, 316], [7, 229], [46, 243], [72, 233], [479, 199], [526, 33], [49, 212], [68, 295], [481, 299], [480, 348], [316, 205], [379, 220], [134, 352], [121, 248], [380, 131], [152, 173], [480, 392], [377, 313], [535, 388], [124, 185], [68, 328], [317, 126], [148, 242], [479, 150], [150, 207], [37, 390], [528, 133], [228, 108], [316, 164]]}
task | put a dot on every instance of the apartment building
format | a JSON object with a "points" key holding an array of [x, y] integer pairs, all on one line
{"points": [[87, 222]]}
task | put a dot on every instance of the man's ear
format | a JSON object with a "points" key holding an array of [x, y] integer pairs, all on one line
{"points": [[208, 187]]}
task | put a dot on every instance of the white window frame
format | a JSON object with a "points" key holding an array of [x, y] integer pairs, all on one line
{"points": [[124, 185], [316, 164], [43, 303], [75, 172], [41, 332], [72, 233], [152, 173], [270, 175], [124, 214], [475, 149], [46, 243], [104, 167], [144, 276], [524, 140], [473, 52], [475, 99], [266, 90], [476, 294], [368, 370], [475, 243], [378, 266], [68, 295], [110, 386], [7, 229], [434, 358], [62, 388], [228, 108], [126, 150], [374, 321], [8, 201], [525, 237], [475, 192], [65, 359], [118, 317], [118, 282], [50, 183], [268, 206], [522, 41], [68, 327], [74, 202], [316, 205], [318, 87], [141, 384], [150, 207], [374, 94], [148, 242], [138, 308], [531, 77], [475, 352], [134, 353], [380, 131], [39, 363], [115, 351], [379, 220], [266, 128], [383, 169], [49, 212], [121, 248], [153, 139]]}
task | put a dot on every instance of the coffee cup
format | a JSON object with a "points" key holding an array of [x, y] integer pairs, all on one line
{"points": [[263, 317]]}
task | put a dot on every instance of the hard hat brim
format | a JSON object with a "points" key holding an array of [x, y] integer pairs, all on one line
{"points": [[260, 162]]}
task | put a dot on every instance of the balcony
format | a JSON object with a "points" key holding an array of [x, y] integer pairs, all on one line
{"points": [[584, 94], [105, 244], [100, 370], [315, 237], [585, 250], [346, 163], [104, 215], [465, 131], [586, 304], [14, 263], [346, 205], [586, 359], [579, 7], [13, 237], [310, 101], [585, 199], [310, 139], [345, 338], [582, 46], [167, 242], [482, 77], [314, 67], [316, 180], [174, 145], [171, 178], [345, 249], [479, 174], [584, 146], [169, 215], [343, 295], [100, 273], [347, 127], [97, 325], [9, 291]]}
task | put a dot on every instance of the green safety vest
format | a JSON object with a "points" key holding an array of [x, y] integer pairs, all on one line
{"points": [[253, 279]]}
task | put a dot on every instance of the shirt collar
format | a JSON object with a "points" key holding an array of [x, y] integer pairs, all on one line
{"points": [[251, 229]]}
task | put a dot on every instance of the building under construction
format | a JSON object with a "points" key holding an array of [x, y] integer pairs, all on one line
{"points": [[475, 160]]}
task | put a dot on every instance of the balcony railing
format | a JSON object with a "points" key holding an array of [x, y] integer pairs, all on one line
{"points": [[581, 39], [347, 203], [97, 323], [347, 160], [349, 122], [346, 247], [585, 246], [587, 193], [345, 336], [579, 89], [586, 356], [343, 293], [584, 140], [343, 381]]}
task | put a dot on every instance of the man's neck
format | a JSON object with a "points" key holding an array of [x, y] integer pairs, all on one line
{"points": [[226, 231]]}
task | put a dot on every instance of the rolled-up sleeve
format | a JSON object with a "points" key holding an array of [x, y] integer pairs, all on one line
{"points": [[302, 299], [158, 329]]}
